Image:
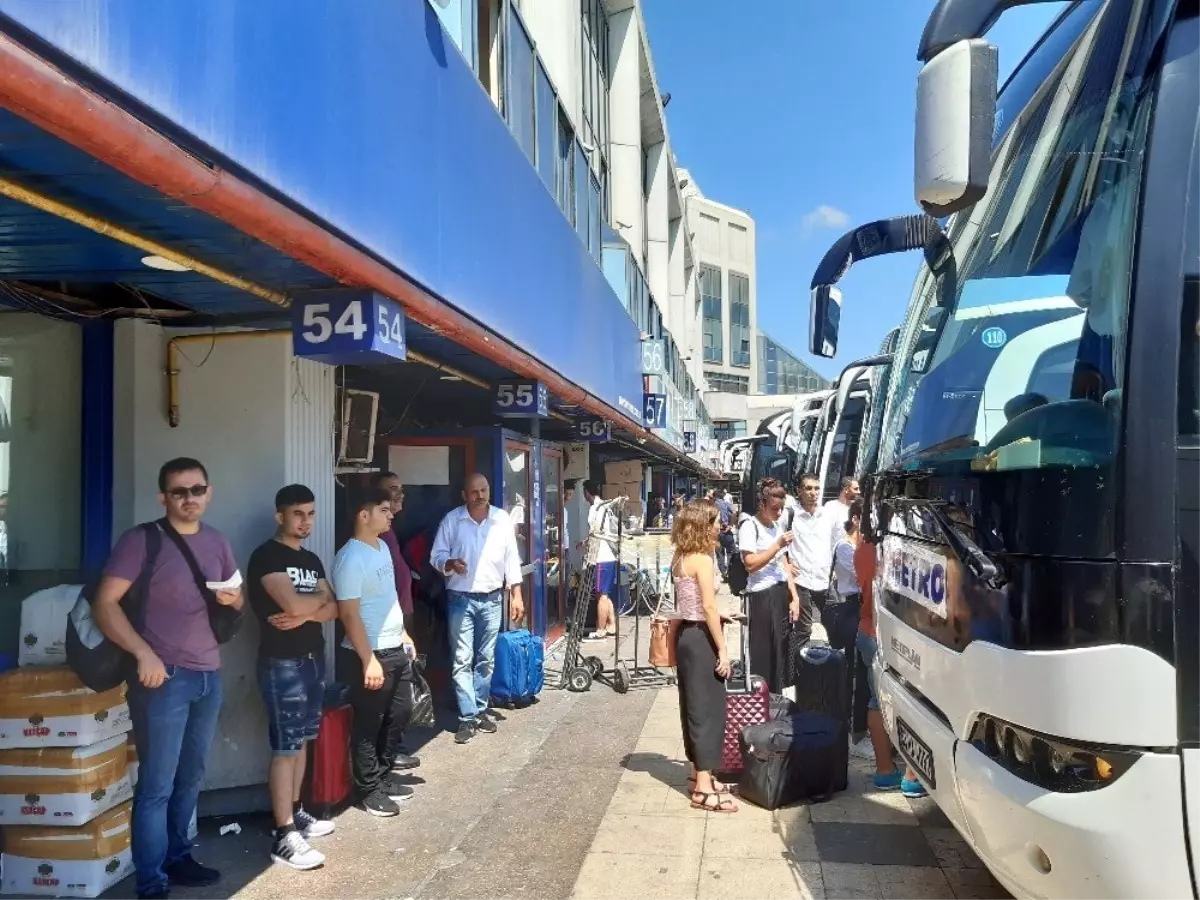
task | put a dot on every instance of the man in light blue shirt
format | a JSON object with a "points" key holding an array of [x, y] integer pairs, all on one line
{"points": [[375, 659], [476, 549]]}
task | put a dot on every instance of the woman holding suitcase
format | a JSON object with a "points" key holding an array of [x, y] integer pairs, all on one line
{"points": [[701, 661]]}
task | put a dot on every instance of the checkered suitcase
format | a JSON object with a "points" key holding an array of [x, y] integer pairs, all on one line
{"points": [[747, 702]]}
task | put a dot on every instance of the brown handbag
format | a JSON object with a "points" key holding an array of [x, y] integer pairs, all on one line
{"points": [[662, 642]]}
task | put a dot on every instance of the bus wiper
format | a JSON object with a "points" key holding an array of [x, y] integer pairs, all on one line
{"points": [[964, 548]]}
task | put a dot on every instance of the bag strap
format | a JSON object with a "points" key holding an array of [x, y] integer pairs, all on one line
{"points": [[133, 604], [210, 599]]}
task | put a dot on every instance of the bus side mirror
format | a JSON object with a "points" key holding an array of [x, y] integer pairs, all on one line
{"points": [[825, 318], [956, 120]]}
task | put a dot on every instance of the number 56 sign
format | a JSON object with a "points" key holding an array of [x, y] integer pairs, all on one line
{"points": [[348, 327]]}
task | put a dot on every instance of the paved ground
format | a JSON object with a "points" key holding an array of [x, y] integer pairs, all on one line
{"points": [[582, 796], [860, 844]]}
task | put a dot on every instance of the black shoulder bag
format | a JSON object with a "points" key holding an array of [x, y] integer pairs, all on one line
{"points": [[224, 620]]}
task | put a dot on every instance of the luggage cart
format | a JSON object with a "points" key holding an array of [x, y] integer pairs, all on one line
{"points": [[648, 588], [578, 671]]}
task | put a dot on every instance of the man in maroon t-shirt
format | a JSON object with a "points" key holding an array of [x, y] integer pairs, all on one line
{"points": [[175, 698], [390, 482]]}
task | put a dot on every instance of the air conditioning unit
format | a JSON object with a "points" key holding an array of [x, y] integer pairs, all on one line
{"points": [[360, 410]]}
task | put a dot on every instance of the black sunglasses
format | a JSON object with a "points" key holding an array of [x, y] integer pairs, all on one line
{"points": [[182, 493]]}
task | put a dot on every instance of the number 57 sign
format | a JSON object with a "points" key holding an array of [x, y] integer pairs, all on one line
{"points": [[348, 327]]}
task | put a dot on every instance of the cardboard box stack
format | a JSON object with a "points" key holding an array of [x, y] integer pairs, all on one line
{"points": [[41, 860], [624, 479], [65, 786]]}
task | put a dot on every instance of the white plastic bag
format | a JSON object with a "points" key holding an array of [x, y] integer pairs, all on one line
{"points": [[44, 625]]}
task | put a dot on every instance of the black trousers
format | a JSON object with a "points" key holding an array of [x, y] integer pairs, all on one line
{"points": [[701, 696], [380, 717], [770, 625], [812, 606], [840, 620]]}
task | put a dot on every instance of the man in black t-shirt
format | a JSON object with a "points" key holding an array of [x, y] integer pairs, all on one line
{"points": [[291, 599]]}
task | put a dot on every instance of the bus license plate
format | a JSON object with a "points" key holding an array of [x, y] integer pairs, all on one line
{"points": [[916, 752]]}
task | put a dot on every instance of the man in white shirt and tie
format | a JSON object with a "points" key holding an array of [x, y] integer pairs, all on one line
{"points": [[476, 549]]}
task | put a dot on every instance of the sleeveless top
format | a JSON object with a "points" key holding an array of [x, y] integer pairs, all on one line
{"points": [[688, 605]]}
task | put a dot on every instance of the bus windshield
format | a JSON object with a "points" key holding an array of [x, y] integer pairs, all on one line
{"points": [[1025, 369]]}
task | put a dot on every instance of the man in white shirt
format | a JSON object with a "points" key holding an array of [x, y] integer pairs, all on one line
{"points": [[476, 549], [601, 521], [839, 507], [811, 553]]}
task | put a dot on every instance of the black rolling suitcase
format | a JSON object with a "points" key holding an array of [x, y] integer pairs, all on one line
{"points": [[823, 688], [791, 759]]}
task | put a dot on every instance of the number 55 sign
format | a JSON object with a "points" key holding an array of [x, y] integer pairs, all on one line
{"points": [[522, 399], [348, 327]]}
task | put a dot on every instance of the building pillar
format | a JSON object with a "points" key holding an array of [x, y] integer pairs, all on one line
{"points": [[658, 276], [625, 130]]}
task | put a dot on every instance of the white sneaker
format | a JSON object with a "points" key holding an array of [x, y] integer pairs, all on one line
{"points": [[863, 750], [312, 827], [294, 852]]}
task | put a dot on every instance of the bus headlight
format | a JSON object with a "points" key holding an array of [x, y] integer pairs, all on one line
{"points": [[1049, 762]]}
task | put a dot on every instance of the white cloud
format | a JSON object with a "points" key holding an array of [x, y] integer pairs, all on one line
{"points": [[824, 216]]}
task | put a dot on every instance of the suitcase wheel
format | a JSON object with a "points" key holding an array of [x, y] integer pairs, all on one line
{"points": [[621, 679], [579, 679], [594, 665]]}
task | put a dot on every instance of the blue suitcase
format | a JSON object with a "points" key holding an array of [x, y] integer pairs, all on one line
{"points": [[518, 676]]}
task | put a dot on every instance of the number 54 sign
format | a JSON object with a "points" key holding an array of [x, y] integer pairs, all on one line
{"points": [[348, 327]]}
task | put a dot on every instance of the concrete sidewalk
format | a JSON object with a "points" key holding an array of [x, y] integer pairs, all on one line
{"points": [[861, 844]]}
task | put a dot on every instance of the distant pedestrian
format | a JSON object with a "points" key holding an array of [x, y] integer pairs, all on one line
{"points": [[291, 599], [376, 656], [811, 554], [702, 661], [476, 548], [840, 617], [602, 528], [175, 697], [771, 598], [728, 537]]}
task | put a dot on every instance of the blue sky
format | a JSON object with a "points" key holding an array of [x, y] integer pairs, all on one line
{"points": [[801, 112]]}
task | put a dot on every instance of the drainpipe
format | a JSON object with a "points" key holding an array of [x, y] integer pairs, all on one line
{"points": [[39, 93]]}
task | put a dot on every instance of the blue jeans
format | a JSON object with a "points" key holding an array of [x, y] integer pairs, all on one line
{"points": [[474, 625], [293, 691], [173, 728], [867, 648]]}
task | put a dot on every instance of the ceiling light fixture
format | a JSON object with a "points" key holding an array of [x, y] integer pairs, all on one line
{"points": [[163, 264]]}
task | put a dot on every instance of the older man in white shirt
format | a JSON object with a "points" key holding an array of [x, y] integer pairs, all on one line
{"points": [[476, 549]]}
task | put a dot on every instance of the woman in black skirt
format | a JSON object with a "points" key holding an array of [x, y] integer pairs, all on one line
{"points": [[701, 661], [772, 602]]}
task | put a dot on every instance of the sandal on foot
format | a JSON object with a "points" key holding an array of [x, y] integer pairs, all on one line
{"points": [[723, 803], [719, 787]]}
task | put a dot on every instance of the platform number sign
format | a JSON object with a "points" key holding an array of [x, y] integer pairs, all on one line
{"points": [[522, 399], [689, 442], [595, 431], [654, 357], [654, 410], [348, 327]]}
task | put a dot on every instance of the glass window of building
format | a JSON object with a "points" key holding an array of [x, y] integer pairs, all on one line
{"points": [[728, 384], [41, 376], [739, 320], [566, 167], [710, 300], [723, 431], [546, 108], [520, 105]]}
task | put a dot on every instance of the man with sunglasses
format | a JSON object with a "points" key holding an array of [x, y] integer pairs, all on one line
{"points": [[175, 696]]}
